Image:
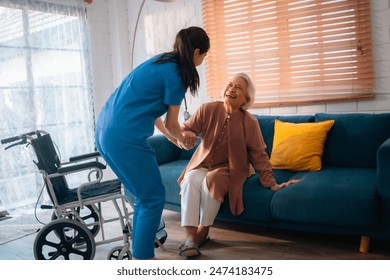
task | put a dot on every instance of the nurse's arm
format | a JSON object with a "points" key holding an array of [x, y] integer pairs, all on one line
{"points": [[160, 126], [186, 139], [171, 123]]}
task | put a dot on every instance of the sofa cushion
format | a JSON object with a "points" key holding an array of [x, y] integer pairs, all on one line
{"points": [[299, 146], [256, 200], [267, 124], [332, 196], [354, 138]]}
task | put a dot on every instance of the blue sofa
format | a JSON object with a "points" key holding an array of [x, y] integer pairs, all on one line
{"points": [[350, 195]]}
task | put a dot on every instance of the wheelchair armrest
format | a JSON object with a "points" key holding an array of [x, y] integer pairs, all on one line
{"points": [[82, 166], [85, 156]]}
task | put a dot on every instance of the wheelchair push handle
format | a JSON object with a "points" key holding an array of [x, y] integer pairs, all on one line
{"points": [[10, 139], [23, 138]]}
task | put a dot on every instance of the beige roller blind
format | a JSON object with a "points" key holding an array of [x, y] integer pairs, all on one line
{"points": [[296, 52]]}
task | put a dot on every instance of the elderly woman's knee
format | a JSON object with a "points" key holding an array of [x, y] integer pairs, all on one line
{"points": [[194, 177]]}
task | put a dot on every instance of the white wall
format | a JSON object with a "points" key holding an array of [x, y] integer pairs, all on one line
{"points": [[112, 25]]}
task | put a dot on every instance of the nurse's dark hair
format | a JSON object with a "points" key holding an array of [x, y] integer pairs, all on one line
{"points": [[186, 42]]}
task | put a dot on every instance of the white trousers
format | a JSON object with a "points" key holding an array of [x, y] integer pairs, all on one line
{"points": [[197, 205]]}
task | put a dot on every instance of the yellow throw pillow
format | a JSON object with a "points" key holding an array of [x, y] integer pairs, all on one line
{"points": [[299, 146]]}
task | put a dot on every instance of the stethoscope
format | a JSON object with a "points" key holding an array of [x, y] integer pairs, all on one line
{"points": [[186, 114]]}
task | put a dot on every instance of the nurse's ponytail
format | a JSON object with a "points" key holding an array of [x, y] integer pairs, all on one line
{"points": [[186, 42]]}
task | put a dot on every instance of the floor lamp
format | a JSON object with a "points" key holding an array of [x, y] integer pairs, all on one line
{"points": [[136, 28]]}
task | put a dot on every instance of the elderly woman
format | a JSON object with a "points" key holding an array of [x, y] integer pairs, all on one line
{"points": [[231, 144]]}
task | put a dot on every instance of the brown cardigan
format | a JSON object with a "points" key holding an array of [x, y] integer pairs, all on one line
{"points": [[245, 146]]}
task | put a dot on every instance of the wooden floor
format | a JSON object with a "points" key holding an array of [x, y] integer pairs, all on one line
{"points": [[229, 241]]}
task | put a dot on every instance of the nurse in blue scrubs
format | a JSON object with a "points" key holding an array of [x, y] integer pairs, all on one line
{"points": [[128, 118]]}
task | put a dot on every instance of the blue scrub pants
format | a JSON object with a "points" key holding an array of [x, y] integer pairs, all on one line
{"points": [[135, 164]]}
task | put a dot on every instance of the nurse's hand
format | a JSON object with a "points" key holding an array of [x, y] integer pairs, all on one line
{"points": [[175, 142]]}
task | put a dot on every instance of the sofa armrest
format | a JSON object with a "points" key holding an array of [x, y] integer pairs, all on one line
{"points": [[383, 169], [164, 149]]}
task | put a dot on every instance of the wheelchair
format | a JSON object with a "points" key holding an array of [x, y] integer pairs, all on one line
{"points": [[77, 224]]}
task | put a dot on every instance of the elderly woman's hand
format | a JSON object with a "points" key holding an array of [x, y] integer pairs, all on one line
{"points": [[189, 140], [283, 185]]}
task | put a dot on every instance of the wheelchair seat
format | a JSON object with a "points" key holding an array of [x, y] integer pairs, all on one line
{"points": [[94, 190]]}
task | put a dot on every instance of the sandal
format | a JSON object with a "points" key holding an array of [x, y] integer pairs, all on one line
{"points": [[188, 249], [202, 243]]}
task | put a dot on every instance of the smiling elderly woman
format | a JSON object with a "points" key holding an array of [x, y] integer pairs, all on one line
{"points": [[231, 143]]}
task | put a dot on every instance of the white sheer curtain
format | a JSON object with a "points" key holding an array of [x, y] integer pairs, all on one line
{"points": [[45, 83]]}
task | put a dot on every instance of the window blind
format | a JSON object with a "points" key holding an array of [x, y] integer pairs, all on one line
{"points": [[296, 52]]}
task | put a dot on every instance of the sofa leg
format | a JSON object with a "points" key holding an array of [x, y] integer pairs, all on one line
{"points": [[364, 244]]}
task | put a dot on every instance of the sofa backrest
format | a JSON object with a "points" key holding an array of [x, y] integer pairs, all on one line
{"points": [[164, 149], [354, 139], [267, 124]]}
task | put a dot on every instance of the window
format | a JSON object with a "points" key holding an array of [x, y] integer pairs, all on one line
{"points": [[297, 52], [45, 83]]}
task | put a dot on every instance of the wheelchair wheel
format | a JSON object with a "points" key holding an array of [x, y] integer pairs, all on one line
{"points": [[61, 239], [89, 216], [119, 253]]}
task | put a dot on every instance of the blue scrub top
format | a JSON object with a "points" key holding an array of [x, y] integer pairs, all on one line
{"points": [[142, 97]]}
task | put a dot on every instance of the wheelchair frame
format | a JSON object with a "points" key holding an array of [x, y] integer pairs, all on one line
{"points": [[71, 234]]}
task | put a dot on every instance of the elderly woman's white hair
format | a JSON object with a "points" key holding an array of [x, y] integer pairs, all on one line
{"points": [[251, 91]]}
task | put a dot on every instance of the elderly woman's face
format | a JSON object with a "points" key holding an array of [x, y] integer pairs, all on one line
{"points": [[235, 93]]}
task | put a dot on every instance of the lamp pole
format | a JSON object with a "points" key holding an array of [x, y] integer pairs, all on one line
{"points": [[136, 28], [135, 34]]}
